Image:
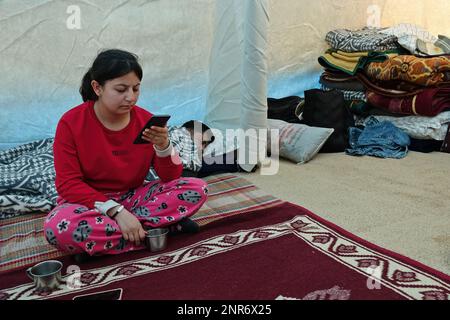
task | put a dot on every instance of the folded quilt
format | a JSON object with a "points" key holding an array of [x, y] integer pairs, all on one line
{"points": [[394, 89], [443, 42], [417, 40], [361, 40], [429, 102], [352, 62], [341, 82], [419, 127], [427, 72], [348, 94]]}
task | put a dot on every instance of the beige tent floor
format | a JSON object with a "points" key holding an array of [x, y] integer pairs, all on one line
{"points": [[401, 205]]}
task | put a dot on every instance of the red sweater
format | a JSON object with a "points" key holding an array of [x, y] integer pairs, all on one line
{"points": [[91, 160]]}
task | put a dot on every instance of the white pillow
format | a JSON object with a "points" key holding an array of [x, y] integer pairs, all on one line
{"points": [[299, 142]]}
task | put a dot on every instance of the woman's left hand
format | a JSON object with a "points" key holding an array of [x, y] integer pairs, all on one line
{"points": [[159, 136]]}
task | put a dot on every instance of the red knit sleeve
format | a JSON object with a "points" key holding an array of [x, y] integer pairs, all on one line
{"points": [[69, 178], [168, 168]]}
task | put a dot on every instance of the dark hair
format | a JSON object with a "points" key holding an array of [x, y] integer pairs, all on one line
{"points": [[109, 64], [191, 123]]}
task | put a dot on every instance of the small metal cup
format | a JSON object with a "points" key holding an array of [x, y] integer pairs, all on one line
{"points": [[156, 239], [46, 275]]}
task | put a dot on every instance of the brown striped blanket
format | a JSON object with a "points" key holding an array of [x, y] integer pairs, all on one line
{"points": [[22, 241]]}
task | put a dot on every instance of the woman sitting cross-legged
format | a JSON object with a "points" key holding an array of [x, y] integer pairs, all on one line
{"points": [[104, 204]]}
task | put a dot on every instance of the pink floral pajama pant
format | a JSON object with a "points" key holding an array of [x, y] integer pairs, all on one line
{"points": [[75, 228]]}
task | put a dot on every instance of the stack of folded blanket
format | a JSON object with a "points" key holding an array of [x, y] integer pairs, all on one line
{"points": [[350, 52], [399, 74]]}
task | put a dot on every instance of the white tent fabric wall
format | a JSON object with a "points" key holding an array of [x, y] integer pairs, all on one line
{"points": [[254, 84], [224, 83], [43, 58], [43, 53], [238, 68], [430, 14], [237, 95], [297, 38]]}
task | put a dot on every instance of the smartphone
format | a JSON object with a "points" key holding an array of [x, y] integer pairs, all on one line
{"points": [[158, 121]]}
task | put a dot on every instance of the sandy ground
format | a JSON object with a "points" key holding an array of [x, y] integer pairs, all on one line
{"points": [[401, 205]]}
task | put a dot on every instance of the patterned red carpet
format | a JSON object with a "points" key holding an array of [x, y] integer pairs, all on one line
{"points": [[283, 252]]}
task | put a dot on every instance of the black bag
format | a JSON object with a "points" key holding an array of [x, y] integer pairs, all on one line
{"points": [[286, 109], [446, 143], [328, 109]]}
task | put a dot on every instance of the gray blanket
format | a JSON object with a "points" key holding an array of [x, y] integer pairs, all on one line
{"points": [[27, 179]]}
